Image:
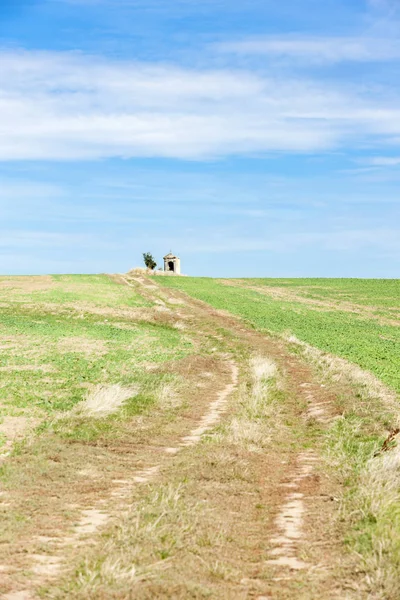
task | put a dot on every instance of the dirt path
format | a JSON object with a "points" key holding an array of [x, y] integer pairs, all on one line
{"points": [[294, 494], [45, 558], [49, 566], [303, 545], [266, 504]]}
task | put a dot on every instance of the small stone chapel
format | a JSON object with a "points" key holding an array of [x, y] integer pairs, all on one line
{"points": [[172, 264]]}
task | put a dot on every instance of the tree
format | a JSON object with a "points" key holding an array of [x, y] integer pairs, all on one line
{"points": [[149, 261]]}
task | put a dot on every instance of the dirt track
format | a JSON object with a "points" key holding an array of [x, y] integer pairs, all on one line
{"points": [[279, 510], [303, 498]]}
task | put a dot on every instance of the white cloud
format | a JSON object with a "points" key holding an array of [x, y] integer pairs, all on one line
{"points": [[319, 50], [73, 106]]}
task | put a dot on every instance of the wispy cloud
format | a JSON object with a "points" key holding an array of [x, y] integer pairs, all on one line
{"points": [[319, 50], [73, 106], [66, 106]]}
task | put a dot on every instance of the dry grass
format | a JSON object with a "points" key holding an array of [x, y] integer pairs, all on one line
{"points": [[103, 400], [262, 371], [262, 368], [139, 271], [174, 542], [379, 498], [141, 544], [381, 480], [259, 412], [171, 539], [167, 396], [13, 428], [248, 434], [27, 284], [369, 505]]}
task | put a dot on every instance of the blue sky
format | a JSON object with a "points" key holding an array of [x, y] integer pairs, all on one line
{"points": [[252, 138]]}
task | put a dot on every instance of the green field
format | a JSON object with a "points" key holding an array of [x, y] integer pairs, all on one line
{"points": [[62, 334], [351, 321]]}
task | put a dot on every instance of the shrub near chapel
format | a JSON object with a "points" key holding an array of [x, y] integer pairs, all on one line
{"points": [[149, 261]]}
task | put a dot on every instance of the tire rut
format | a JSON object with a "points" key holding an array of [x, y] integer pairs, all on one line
{"points": [[51, 566], [316, 404], [284, 540]]}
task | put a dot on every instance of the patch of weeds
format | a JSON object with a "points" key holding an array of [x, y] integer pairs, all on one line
{"points": [[138, 405], [294, 349], [85, 430], [349, 445]]}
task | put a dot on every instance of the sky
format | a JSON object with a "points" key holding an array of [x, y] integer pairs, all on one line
{"points": [[252, 138]]}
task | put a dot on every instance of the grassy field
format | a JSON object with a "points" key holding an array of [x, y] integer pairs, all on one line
{"points": [[113, 486], [62, 334], [347, 319], [379, 292]]}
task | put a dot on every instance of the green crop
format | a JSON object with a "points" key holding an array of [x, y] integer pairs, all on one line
{"points": [[358, 337]]}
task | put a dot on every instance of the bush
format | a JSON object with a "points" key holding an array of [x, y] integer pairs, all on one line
{"points": [[149, 261]]}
